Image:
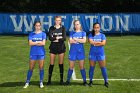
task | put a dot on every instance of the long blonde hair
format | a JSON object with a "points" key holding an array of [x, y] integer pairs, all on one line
{"points": [[75, 22], [58, 17]]}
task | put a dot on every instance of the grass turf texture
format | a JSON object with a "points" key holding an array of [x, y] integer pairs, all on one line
{"points": [[122, 56]]}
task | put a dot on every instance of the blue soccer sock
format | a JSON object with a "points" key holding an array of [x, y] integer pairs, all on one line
{"points": [[91, 72], [104, 73], [29, 74], [41, 75], [70, 71], [83, 73]]}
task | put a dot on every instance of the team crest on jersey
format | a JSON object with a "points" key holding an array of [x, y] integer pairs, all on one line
{"points": [[97, 40], [57, 34], [79, 37], [37, 39]]}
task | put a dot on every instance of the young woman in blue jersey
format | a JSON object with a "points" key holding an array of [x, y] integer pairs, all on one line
{"points": [[77, 39], [37, 41], [97, 41]]}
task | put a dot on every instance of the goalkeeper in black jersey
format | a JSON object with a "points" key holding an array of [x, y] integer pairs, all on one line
{"points": [[57, 36]]}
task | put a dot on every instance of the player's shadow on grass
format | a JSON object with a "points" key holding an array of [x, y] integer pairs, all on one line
{"points": [[57, 83], [97, 84], [81, 84], [36, 83], [73, 83], [15, 84]]}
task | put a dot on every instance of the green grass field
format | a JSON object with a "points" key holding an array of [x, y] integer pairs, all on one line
{"points": [[122, 56]]}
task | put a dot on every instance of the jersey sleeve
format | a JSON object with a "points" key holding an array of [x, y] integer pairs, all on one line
{"points": [[44, 37], [71, 33], [51, 38], [84, 34], [63, 34], [103, 37], [30, 37], [90, 36]]}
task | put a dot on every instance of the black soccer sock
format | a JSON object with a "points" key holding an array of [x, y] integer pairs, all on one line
{"points": [[50, 72], [61, 68]]}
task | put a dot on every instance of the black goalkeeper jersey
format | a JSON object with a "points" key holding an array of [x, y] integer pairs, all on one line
{"points": [[54, 32]]}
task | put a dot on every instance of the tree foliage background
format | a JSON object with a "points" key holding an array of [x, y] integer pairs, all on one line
{"points": [[69, 6]]}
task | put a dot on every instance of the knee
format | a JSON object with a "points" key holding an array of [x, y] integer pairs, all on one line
{"points": [[52, 62], [41, 68], [102, 66], [31, 69], [71, 68], [82, 67], [60, 62], [92, 64]]}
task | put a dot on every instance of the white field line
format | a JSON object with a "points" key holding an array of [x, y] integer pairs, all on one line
{"points": [[111, 79], [122, 39]]}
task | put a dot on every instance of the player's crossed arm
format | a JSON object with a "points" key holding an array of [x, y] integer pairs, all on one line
{"points": [[75, 40], [38, 43], [71, 40], [83, 40], [95, 43]]}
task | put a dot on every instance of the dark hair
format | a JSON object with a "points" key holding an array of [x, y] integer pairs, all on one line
{"points": [[37, 22], [93, 32]]}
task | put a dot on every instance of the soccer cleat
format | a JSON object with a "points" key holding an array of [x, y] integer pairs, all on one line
{"points": [[90, 83], [41, 85], [106, 84], [26, 85], [49, 83], [67, 83], [61, 82], [85, 84]]}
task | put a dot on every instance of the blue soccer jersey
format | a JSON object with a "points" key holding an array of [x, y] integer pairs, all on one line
{"points": [[37, 50], [97, 50], [77, 49]]}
